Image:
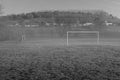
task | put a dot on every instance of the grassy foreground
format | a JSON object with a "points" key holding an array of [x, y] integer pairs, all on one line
{"points": [[61, 63]]}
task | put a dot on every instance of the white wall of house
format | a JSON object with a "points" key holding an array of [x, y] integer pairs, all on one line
{"points": [[47, 24], [88, 24], [108, 23]]}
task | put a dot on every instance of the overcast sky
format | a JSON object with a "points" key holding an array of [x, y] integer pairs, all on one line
{"points": [[23, 6]]}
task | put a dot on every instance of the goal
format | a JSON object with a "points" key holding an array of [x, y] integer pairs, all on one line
{"points": [[82, 36]]}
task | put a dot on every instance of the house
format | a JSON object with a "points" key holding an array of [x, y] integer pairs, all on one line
{"points": [[34, 25], [27, 25], [54, 24], [61, 24], [14, 24], [88, 24], [31, 25], [108, 23], [47, 24]]}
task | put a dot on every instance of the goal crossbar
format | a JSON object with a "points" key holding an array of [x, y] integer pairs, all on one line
{"points": [[97, 32], [82, 31]]}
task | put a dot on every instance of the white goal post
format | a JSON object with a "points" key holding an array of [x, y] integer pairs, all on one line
{"points": [[81, 32]]}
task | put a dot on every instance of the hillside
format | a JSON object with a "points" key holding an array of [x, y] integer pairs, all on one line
{"points": [[96, 17]]}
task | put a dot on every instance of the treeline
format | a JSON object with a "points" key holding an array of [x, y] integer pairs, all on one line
{"points": [[65, 17]]}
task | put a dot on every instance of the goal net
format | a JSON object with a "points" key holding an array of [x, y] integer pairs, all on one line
{"points": [[82, 37]]}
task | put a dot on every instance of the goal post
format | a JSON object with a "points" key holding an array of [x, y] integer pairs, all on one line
{"points": [[83, 32]]}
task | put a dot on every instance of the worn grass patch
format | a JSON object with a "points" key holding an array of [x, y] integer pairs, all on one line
{"points": [[60, 63]]}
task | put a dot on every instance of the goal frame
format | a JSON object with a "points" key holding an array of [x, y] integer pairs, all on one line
{"points": [[97, 32]]}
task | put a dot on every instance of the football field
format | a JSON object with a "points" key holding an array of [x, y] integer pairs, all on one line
{"points": [[82, 59], [62, 42]]}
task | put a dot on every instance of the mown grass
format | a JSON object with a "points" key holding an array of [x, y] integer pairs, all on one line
{"points": [[60, 63]]}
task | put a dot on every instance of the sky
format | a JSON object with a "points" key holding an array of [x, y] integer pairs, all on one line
{"points": [[24, 6]]}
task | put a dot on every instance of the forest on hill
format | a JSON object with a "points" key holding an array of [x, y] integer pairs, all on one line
{"points": [[97, 17]]}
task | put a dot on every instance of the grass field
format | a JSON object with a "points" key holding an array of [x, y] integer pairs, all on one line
{"points": [[51, 59], [73, 41]]}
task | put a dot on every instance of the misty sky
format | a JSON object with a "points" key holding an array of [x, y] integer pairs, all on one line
{"points": [[24, 6]]}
